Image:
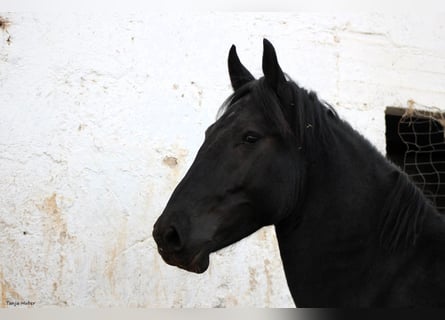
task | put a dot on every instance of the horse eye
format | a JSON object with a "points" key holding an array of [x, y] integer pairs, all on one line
{"points": [[251, 137]]}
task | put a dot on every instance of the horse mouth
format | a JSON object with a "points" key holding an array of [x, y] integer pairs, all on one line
{"points": [[198, 263]]}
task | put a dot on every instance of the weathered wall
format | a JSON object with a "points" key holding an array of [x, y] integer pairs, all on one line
{"points": [[100, 116]]}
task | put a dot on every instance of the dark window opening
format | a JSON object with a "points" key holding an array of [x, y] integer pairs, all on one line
{"points": [[415, 141]]}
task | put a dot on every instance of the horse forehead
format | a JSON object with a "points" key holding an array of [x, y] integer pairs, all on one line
{"points": [[238, 115], [237, 120], [227, 120], [245, 111]]}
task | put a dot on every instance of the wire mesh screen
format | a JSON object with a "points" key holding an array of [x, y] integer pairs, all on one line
{"points": [[424, 158]]}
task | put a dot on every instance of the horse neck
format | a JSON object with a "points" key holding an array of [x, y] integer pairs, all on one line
{"points": [[346, 183], [358, 224], [361, 194], [346, 186]]}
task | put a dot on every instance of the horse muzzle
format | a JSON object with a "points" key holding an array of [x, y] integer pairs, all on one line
{"points": [[171, 247]]}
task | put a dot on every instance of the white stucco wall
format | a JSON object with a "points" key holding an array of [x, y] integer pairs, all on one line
{"points": [[101, 115]]}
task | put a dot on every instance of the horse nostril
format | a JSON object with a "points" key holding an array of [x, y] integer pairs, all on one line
{"points": [[172, 239]]}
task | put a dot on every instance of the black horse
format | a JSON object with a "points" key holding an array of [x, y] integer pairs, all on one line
{"points": [[352, 229]]}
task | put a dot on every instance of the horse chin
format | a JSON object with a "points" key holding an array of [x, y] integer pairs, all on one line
{"points": [[198, 264]]}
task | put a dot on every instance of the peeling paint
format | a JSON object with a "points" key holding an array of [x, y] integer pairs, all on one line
{"points": [[199, 92], [118, 247], [5, 23], [55, 217], [175, 160], [269, 283], [253, 282], [170, 161], [7, 292]]}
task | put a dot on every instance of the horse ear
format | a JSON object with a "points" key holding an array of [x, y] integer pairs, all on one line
{"points": [[239, 75], [271, 69]]}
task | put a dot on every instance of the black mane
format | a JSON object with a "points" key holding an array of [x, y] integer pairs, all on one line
{"points": [[300, 114], [403, 214]]}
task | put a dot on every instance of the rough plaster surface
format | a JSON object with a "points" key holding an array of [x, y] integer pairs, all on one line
{"points": [[101, 115]]}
